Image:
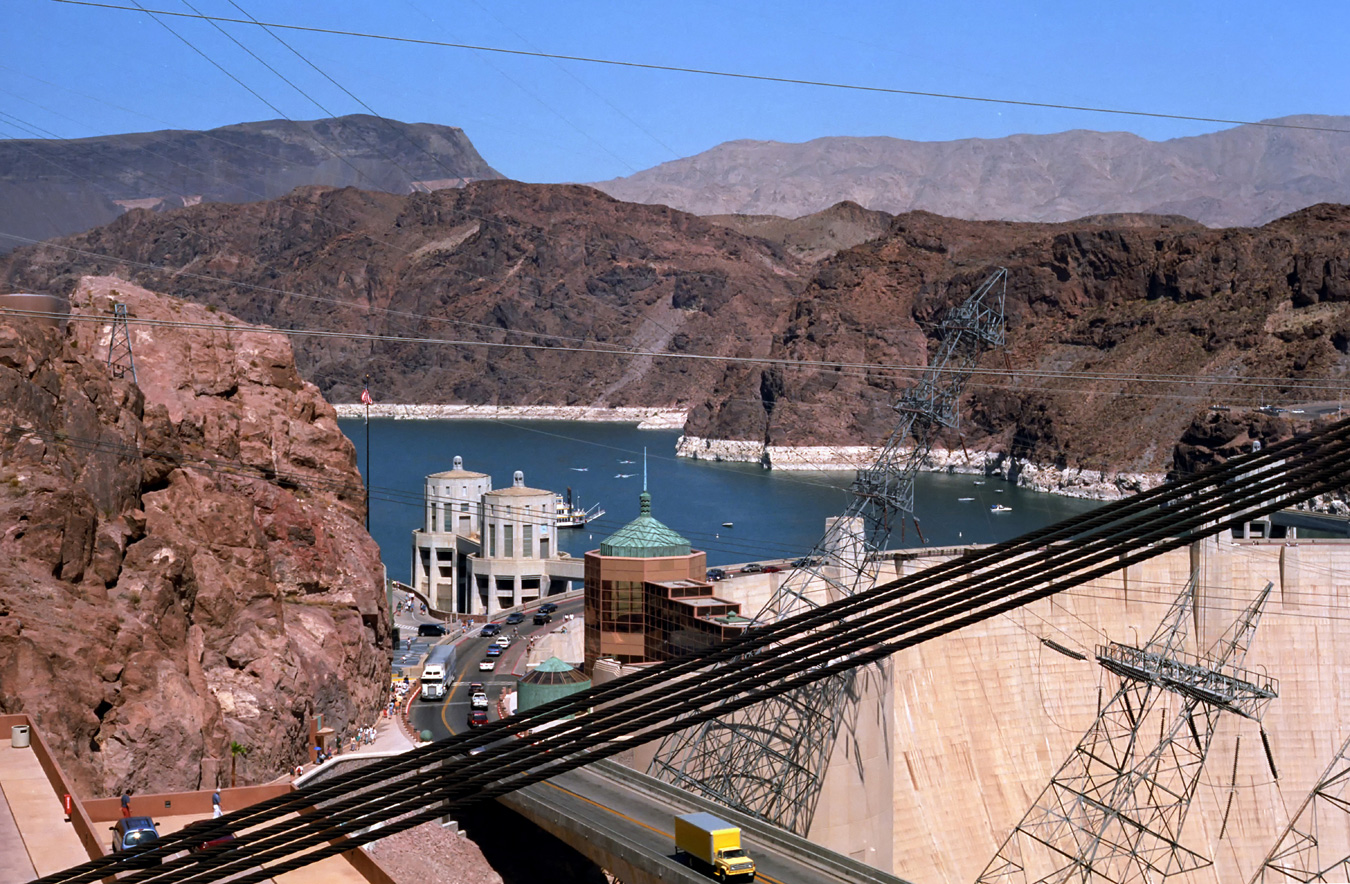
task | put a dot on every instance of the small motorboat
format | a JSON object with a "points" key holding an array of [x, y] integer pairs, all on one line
{"points": [[999, 508], [964, 499], [727, 524]]}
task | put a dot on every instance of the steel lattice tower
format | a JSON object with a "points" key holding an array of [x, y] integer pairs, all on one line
{"points": [[769, 760], [120, 361], [1115, 809], [1315, 846]]}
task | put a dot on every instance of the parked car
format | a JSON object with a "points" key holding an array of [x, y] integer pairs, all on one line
{"points": [[547, 608], [494, 650], [487, 665], [478, 718], [490, 629], [514, 617], [806, 562], [715, 574], [431, 629], [542, 617], [134, 833], [752, 568], [771, 569]]}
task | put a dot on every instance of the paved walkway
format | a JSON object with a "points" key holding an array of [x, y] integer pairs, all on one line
{"points": [[35, 838]]}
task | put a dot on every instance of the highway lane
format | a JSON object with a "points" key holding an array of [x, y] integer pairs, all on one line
{"points": [[648, 821], [451, 716]]}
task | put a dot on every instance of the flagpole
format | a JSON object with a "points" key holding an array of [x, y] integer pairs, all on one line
{"points": [[365, 397]]}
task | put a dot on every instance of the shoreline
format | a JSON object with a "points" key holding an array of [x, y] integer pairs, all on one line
{"points": [[1069, 482], [645, 418]]}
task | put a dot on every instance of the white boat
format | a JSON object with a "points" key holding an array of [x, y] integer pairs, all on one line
{"points": [[567, 514], [964, 499], [727, 524], [999, 508]]}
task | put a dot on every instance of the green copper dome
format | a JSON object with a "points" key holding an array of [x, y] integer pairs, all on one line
{"points": [[644, 537]]}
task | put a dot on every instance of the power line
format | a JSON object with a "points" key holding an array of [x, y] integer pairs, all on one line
{"points": [[822, 365], [791, 81]]}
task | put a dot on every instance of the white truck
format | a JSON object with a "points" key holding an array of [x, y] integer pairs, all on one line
{"points": [[433, 681]]}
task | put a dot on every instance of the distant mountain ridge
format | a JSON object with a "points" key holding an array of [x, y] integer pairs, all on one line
{"points": [[1244, 176], [52, 188]]}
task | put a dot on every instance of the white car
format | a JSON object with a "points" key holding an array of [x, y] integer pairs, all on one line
{"points": [[487, 665], [503, 642]]}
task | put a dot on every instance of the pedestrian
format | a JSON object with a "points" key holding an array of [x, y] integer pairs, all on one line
{"points": [[126, 803], [216, 812]]}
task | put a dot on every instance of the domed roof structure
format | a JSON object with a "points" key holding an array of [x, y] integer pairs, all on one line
{"points": [[548, 681], [644, 537]]}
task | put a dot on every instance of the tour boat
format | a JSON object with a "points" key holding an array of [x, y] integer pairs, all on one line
{"points": [[567, 514]]}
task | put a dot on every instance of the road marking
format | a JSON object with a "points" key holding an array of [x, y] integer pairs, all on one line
{"points": [[759, 876]]}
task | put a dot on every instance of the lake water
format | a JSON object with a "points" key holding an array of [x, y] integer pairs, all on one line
{"points": [[775, 513]]}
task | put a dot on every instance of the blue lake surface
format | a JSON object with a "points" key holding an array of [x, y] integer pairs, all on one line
{"points": [[774, 513]]}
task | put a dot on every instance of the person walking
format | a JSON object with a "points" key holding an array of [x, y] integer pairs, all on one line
{"points": [[126, 803], [216, 812]]}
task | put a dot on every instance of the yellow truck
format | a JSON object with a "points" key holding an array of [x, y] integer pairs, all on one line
{"points": [[713, 846]]}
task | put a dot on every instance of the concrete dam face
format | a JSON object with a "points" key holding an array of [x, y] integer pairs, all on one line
{"points": [[956, 740]]}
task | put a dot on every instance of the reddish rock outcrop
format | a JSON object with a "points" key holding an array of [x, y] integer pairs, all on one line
{"points": [[183, 564]]}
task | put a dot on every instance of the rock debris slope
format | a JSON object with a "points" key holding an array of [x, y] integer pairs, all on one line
{"points": [[183, 563]]}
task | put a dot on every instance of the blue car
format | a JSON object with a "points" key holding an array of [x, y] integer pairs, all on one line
{"points": [[134, 833], [514, 617]]}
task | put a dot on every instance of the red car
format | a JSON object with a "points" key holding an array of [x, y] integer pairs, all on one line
{"points": [[478, 718]]}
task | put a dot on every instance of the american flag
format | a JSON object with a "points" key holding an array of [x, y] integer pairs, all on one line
{"points": [[365, 396]]}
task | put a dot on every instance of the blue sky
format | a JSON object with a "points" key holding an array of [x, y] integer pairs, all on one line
{"points": [[71, 71]]}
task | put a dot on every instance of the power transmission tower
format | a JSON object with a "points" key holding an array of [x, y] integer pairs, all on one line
{"points": [[120, 360], [1316, 844], [1115, 809], [769, 759]]}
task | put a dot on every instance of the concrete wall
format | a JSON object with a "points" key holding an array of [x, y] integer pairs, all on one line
{"points": [[981, 719]]}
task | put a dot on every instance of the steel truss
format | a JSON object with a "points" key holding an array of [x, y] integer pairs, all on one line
{"points": [[1316, 844], [1114, 811], [120, 360], [770, 760]]}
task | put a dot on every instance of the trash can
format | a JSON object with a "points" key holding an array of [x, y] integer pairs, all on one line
{"points": [[18, 736]]}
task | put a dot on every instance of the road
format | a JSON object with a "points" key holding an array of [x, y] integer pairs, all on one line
{"points": [[645, 819], [451, 716]]}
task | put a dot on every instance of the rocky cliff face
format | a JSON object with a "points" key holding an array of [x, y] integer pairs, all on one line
{"points": [[1117, 335], [183, 563], [1241, 176], [1120, 329]]}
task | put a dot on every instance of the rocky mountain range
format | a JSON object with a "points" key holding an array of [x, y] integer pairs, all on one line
{"points": [[1238, 177], [1120, 328], [192, 541], [52, 187]]}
